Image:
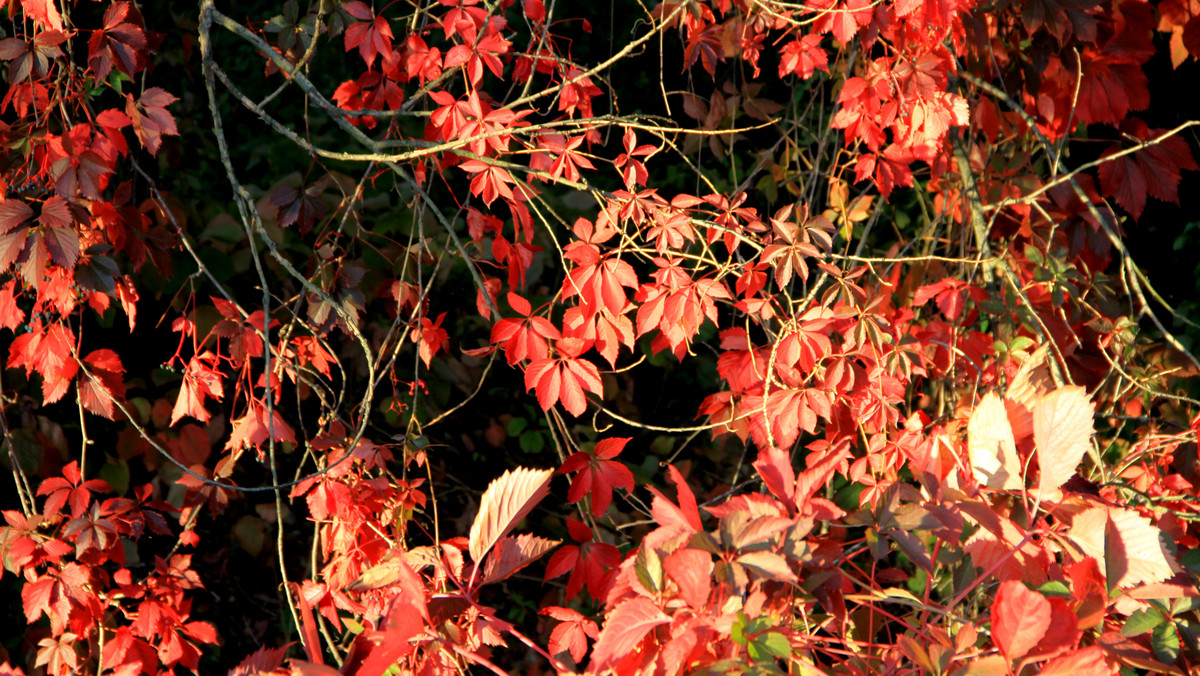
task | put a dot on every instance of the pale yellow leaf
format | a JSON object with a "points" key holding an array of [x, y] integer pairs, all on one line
{"points": [[505, 502], [991, 447], [1062, 431]]}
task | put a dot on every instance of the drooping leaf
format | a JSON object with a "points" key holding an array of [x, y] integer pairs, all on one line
{"points": [[150, 117], [514, 553]]}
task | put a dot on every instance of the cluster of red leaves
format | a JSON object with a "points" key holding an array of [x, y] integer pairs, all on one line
{"points": [[74, 563]]}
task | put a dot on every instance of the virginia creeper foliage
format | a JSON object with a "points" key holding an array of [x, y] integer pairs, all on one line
{"points": [[706, 336]]}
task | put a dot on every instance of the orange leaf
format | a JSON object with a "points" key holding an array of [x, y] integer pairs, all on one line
{"points": [[1086, 662], [1020, 618]]}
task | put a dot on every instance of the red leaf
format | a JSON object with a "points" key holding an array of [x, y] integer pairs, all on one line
{"points": [[666, 513], [430, 337], [44, 12], [97, 392], [564, 379], [150, 117], [535, 11], [262, 661], [201, 381], [404, 620], [13, 212], [253, 429], [691, 570], [597, 475], [1153, 170], [372, 34], [1063, 633], [572, 634], [624, 628], [118, 43], [1191, 36], [591, 564], [11, 316], [1020, 618], [803, 57]]}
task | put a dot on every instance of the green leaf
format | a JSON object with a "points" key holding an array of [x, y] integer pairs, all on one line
{"points": [[1185, 604], [116, 473], [1055, 588], [516, 426], [760, 624], [649, 569], [738, 631], [1190, 560], [776, 644], [1141, 622], [532, 442], [1165, 641], [1021, 343]]}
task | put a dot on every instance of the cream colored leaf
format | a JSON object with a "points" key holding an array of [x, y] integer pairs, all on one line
{"points": [[1133, 550], [505, 502], [1127, 547], [1062, 431], [991, 447], [1087, 532]]}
